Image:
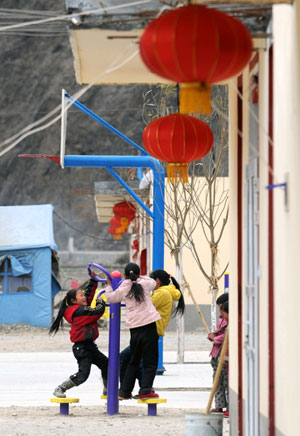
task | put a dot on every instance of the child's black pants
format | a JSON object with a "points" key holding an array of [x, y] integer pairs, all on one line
{"points": [[144, 345], [86, 354]]}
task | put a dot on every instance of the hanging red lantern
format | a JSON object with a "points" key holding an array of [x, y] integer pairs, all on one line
{"points": [[114, 231], [124, 209], [196, 46], [178, 139], [118, 226]]}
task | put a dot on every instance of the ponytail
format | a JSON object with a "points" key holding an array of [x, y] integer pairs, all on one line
{"points": [[181, 304], [164, 279], [132, 272], [67, 301]]}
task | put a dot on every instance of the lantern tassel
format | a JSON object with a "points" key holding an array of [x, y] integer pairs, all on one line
{"points": [[177, 172], [195, 98], [117, 236]]}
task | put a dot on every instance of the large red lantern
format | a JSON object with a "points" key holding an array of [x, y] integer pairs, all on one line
{"points": [[178, 139], [196, 46], [124, 209]]}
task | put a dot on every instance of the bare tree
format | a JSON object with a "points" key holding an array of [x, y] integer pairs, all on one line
{"points": [[203, 200]]}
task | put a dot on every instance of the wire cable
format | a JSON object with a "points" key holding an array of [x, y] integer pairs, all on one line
{"points": [[77, 14], [24, 133]]}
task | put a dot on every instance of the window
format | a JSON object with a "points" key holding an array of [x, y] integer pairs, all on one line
{"points": [[10, 284]]}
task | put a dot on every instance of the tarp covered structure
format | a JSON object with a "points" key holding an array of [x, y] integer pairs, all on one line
{"points": [[28, 265]]}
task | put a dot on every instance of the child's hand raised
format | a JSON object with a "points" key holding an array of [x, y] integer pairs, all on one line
{"points": [[92, 273]]}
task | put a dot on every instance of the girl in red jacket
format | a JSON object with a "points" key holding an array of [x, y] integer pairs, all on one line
{"points": [[75, 308]]}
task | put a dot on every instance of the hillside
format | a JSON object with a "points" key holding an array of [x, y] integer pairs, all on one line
{"points": [[33, 71]]}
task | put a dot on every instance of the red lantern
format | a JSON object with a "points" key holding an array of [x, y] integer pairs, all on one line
{"points": [[118, 226], [114, 231], [195, 45], [124, 209], [178, 139]]}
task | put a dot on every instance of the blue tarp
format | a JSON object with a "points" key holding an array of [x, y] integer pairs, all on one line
{"points": [[26, 227], [26, 241]]}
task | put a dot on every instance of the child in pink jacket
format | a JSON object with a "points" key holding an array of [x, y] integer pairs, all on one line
{"points": [[141, 317], [217, 337]]}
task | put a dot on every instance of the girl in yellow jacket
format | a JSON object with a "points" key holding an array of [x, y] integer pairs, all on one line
{"points": [[165, 294]]}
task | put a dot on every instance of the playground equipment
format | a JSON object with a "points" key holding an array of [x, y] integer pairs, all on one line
{"points": [[64, 404], [152, 404], [114, 340]]}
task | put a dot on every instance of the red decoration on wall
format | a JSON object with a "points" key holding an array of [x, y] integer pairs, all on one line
{"points": [[178, 139], [143, 265], [196, 45], [135, 246]]}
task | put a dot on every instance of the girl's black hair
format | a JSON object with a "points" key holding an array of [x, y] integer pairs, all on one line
{"points": [[165, 278], [67, 301], [132, 272], [225, 307], [223, 298]]}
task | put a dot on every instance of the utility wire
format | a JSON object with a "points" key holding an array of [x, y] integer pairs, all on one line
{"points": [[77, 14]]}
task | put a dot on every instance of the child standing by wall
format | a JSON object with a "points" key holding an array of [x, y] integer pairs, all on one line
{"points": [[217, 338], [75, 308], [141, 316], [225, 314]]}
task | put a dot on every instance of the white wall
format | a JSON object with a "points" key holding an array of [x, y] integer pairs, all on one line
{"points": [[198, 283], [287, 224]]}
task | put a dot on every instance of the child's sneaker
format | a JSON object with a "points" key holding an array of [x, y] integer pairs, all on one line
{"points": [[226, 414], [148, 396], [124, 397]]}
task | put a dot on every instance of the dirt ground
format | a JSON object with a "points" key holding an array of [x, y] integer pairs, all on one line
{"points": [[91, 420]]}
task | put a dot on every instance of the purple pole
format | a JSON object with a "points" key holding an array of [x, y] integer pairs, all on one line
{"points": [[64, 409], [113, 352]]}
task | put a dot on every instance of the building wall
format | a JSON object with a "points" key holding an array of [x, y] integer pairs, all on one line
{"points": [[286, 24], [263, 110], [286, 107]]}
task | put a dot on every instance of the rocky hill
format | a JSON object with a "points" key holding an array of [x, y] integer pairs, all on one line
{"points": [[35, 66]]}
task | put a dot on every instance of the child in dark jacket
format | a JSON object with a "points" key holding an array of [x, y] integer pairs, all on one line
{"points": [[75, 308]]}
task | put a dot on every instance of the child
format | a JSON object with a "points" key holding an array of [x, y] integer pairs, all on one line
{"points": [[217, 338], [165, 293], [225, 314], [75, 308], [141, 316]]}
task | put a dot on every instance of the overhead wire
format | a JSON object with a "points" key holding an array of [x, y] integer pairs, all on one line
{"points": [[28, 131], [76, 14]]}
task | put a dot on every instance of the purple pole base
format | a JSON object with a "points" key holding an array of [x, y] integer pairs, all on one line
{"points": [[64, 408], [152, 409]]}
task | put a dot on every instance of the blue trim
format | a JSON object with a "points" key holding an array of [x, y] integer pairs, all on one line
{"points": [[276, 185], [104, 123]]}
